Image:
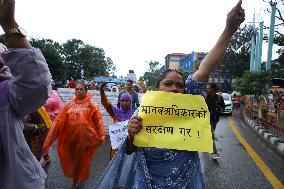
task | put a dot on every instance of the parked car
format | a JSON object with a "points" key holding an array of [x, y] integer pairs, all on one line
{"points": [[228, 103]]}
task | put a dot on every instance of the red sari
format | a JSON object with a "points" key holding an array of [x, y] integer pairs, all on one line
{"points": [[79, 129]]}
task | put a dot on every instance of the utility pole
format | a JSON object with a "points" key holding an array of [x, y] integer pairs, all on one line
{"points": [[271, 35], [252, 50], [256, 50], [259, 48]]}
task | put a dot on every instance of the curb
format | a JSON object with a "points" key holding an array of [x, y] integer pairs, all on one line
{"points": [[275, 142]]}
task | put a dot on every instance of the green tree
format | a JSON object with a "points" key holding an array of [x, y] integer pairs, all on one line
{"points": [[151, 75], [237, 56], [110, 66], [51, 52], [72, 51], [277, 66], [185, 73], [84, 61], [251, 82], [103, 66], [73, 59], [279, 40]]}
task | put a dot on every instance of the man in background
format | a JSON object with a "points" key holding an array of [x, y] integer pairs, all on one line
{"points": [[215, 105], [134, 95]]}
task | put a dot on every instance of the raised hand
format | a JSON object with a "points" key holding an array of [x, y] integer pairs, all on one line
{"points": [[134, 126], [7, 14], [235, 17], [102, 85]]}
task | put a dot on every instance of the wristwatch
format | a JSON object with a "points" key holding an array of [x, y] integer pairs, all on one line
{"points": [[16, 31]]}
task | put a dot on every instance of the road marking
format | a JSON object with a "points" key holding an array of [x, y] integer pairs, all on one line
{"points": [[276, 183]]}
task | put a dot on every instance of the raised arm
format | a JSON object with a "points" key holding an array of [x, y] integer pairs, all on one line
{"points": [[106, 104], [234, 19], [28, 90], [8, 22]]}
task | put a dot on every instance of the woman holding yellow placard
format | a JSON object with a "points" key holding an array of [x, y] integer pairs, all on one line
{"points": [[164, 168], [150, 167]]}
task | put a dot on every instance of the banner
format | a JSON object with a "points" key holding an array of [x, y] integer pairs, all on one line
{"points": [[67, 93], [174, 121], [118, 133]]}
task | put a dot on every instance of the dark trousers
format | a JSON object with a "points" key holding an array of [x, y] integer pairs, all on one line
{"points": [[213, 127]]}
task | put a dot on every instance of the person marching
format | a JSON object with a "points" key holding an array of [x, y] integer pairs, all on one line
{"points": [[35, 131], [134, 95], [117, 114], [216, 105], [80, 131], [150, 167]]}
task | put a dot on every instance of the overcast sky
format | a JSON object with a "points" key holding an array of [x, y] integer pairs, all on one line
{"points": [[133, 32]]}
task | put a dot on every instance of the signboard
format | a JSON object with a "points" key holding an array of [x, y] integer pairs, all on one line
{"points": [[174, 121], [118, 133]]}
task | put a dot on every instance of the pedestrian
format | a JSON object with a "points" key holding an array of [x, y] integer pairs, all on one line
{"points": [[134, 95], [162, 168], [136, 88], [117, 114], [92, 86], [80, 130], [215, 105], [71, 83], [35, 130], [52, 106], [25, 82], [236, 100]]}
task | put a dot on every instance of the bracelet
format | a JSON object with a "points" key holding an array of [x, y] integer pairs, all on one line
{"points": [[36, 126]]}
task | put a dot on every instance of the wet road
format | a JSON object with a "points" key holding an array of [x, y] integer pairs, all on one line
{"points": [[236, 169]]}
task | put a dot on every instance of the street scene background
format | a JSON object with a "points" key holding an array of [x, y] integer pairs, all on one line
{"points": [[237, 167]]}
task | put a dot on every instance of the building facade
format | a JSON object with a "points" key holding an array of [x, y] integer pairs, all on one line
{"points": [[184, 61], [190, 62]]}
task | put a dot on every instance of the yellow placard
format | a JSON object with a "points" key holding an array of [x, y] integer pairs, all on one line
{"points": [[174, 121]]}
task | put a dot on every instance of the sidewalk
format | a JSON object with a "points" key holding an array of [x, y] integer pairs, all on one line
{"points": [[268, 135]]}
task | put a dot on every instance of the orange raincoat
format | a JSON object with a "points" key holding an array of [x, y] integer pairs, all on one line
{"points": [[80, 130]]}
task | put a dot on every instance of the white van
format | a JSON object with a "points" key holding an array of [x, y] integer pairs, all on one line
{"points": [[228, 103]]}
